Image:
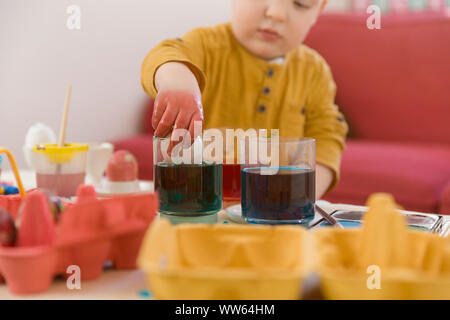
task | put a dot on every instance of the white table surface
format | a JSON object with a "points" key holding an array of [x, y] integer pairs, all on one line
{"points": [[112, 284]]}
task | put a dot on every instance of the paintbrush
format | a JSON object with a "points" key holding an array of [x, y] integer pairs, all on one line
{"points": [[62, 128], [328, 217], [62, 131]]}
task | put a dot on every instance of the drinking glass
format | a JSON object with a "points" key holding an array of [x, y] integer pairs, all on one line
{"points": [[278, 180], [188, 184], [231, 166]]}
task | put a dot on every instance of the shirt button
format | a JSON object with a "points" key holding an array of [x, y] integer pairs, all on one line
{"points": [[303, 110], [266, 90], [262, 108], [270, 73]]}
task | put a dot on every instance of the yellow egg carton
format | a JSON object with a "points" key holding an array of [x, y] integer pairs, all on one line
{"points": [[381, 260], [223, 261]]}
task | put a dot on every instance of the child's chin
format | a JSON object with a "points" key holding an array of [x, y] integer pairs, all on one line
{"points": [[267, 53]]}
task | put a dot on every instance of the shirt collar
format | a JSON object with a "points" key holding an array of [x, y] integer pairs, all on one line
{"points": [[279, 60]]}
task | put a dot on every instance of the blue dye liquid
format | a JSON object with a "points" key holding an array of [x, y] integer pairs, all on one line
{"points": [[346, 224], [286, 197]]}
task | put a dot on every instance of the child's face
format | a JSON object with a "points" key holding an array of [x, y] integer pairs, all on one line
{"points": [[271, 28]]}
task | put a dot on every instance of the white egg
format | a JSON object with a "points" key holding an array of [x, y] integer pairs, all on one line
{"points": [[36, 134], [39, 133]]}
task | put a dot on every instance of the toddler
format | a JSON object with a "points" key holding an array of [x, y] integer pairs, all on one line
{"points": [[253, 72]]}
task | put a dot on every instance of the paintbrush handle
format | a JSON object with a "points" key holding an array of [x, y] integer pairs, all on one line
{"points": [[328, 217], [62, 130]]}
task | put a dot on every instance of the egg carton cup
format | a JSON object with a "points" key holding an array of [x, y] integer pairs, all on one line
{"points": [[11, 203], [425, 275], [88, 235], [196, 262], [223, 261]]}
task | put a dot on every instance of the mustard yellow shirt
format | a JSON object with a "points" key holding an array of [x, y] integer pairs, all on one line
{"points": [[240, 90]]}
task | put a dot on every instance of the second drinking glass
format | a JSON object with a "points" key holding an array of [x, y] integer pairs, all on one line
{"points": [[278, 180]]}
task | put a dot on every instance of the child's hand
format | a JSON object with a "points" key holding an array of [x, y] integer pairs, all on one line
{"points": [[176, 109]]}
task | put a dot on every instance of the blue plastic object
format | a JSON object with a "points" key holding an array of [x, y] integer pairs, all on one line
{"points": [[7, 189]]}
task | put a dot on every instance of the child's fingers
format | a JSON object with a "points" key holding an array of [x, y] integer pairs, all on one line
{"points": [[167, 121], [159, 109], [180, 129], [196, 120], [184, 119], [166, 154], [174, 141], [172, 144]]}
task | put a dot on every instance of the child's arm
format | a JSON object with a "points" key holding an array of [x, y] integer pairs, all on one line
{"points": [[327, 125], [172, 73], [178, 103], [176, 76], [324, 178]]}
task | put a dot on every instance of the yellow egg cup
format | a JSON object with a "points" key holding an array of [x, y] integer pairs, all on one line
{"points": [[223, 261], [59, 155]]}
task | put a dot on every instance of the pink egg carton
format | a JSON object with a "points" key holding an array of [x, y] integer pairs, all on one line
{"points": [[11, 203], [88, 234]]}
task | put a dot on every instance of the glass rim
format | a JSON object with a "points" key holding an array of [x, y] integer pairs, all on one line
{"points": [[284, 139], [162, 139], [281, 139], [170, 137]]}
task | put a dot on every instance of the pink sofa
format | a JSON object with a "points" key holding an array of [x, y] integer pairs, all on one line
{"points": [[394, 89]]}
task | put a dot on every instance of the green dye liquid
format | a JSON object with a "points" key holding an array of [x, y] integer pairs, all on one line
{"points": [[189, 190]]}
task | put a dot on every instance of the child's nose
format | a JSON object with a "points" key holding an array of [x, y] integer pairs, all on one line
{"points": [[277, 10]]}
